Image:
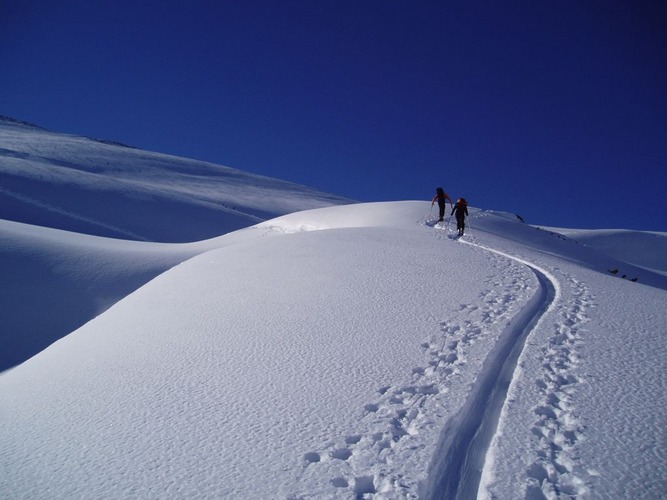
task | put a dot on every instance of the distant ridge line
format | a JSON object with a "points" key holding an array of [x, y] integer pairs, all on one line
{"points": [[9, 119]]}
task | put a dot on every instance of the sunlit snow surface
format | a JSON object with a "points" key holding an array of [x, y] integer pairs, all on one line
{"points": [[356, 351], [329, 354]]}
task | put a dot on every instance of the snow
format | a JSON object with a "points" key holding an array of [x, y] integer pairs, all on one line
{"points": [[346, 351], [645, 248], [100, 188]]}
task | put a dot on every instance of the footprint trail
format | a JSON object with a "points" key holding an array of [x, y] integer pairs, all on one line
{"points": [[404, 421], [557, 427]]}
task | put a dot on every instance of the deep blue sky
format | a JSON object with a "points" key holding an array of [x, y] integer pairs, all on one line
{"points": [[555, 110]]}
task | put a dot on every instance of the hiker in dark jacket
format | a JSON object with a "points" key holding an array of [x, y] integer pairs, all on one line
{"points": [[440, 197], [461, 210]]}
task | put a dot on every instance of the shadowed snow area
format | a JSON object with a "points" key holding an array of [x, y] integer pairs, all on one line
{"points": [[329, 354], [64, 201]]}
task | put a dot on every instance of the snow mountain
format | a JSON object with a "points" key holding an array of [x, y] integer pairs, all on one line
{"points": [[344, 351], [63, 200], [108, 189]]}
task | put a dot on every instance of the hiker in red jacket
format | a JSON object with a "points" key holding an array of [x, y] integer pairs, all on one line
{"points": [[440, 197], [461, 210]]}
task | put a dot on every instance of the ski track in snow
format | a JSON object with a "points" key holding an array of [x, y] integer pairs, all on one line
{"points": [[56, 210], [554, 471], [360, 464]]}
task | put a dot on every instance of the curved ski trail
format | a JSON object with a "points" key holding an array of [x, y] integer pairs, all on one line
{"points": [[394, 428], [456, 472], [553, 471]]}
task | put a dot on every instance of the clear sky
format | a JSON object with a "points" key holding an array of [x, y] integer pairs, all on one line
{"points": [[555, 110]]}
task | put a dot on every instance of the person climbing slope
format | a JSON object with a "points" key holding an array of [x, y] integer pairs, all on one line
{"points": [[461, 210], [441, 197]]}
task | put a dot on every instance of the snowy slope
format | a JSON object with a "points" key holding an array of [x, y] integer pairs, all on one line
{"points": [[645, 248], [54, 184], [350, 351], [107, 189]]}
